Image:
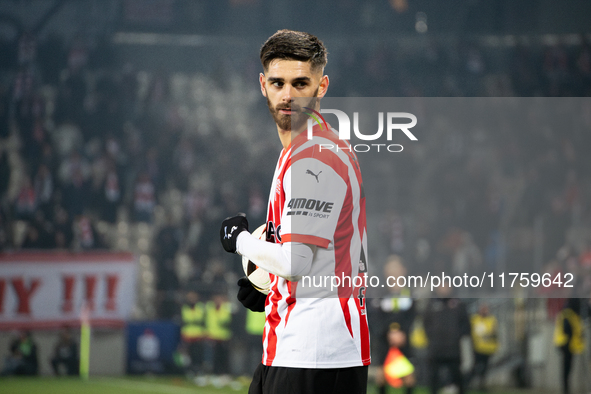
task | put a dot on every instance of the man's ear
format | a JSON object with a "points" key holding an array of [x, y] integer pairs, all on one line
{"points": [[262, 81], [323, 87]]}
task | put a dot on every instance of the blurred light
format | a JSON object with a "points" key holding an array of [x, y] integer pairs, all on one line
{"points": [[102, 227], [176, 195], [148, 277], [421, 27], [143, 228], [550, 39], [492, 41], [399, 5], [123, 243], [421, 22], [122, 227], [159, 210], [149, 292], [159, 39], [510, 40], [143, 244], [145, 261]]}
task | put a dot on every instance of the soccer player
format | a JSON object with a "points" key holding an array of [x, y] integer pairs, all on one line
{"points": [[316, 226]]}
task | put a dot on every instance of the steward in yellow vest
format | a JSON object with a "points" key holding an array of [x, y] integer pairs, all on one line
{"points": [[568, 337], [483, 327], [255, 323], [218, 316], [568, 331], [254, 327], [484, 333], [193, 315], [218, 320]]}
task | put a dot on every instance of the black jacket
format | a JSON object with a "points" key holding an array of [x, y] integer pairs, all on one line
{"points": [[446, 322]]}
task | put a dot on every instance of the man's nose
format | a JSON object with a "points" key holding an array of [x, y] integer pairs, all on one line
{"points": [[287, 93]]}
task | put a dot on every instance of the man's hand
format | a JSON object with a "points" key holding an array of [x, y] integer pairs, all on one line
{"points": [[250, 297], [231, 227]]}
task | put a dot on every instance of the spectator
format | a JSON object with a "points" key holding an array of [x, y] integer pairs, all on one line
{"points": [[446, 322], [65, 354], [63, 232], [144, 200], [44, 187], [85, 235], [26, 201], [22, 359], [112, 192], [74, 175], [5, 169]]}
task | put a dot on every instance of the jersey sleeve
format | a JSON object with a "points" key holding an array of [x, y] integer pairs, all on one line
{"points": [[314, 196]]}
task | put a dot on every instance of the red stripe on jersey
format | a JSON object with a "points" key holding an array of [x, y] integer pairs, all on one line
{"points": [[364, 332], [273, 320], [306, 239], [290, 301], [346, 314]]}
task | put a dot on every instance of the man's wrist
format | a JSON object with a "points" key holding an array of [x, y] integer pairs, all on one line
{"points": [[240, 240]]}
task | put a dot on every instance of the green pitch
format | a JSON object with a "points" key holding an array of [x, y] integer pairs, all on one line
{"points": [[108, 385], [141, 385]]}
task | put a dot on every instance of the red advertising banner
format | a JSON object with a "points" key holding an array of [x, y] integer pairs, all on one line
{"points": [[48, 290]]}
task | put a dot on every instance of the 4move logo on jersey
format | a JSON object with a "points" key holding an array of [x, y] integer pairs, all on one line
{"points": [[309, 207], [344, 129]]}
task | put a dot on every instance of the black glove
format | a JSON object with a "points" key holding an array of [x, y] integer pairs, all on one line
{"points": [[250, 297], [231, 227]]}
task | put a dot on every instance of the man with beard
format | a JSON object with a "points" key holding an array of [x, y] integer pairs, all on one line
{"points": [[317, 341]]}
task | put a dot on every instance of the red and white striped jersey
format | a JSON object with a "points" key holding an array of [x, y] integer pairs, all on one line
{"points": [[317, 198]]}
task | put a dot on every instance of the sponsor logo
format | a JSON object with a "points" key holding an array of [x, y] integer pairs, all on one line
{"points": [[314, 175], [309, 207], [273, 233], [228, 235]]}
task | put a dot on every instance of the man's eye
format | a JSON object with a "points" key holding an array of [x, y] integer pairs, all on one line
{"points": [[300, 84], [277, 84]]}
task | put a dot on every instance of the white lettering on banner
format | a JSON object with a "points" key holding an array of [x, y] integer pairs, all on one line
{"points": [[48, 290]]}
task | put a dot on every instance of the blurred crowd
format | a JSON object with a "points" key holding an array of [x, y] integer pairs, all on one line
{"points": [[90, 141], [91, 144], [88, 138]]}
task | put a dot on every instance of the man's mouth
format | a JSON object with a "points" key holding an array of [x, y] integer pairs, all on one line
{"points": [[289, 110]]}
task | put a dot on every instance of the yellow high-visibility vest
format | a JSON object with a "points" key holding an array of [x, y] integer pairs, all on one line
{"points": [[576, 345], [418, 336], [255, 322], [484, 334], [217, 321], [193, 322]]}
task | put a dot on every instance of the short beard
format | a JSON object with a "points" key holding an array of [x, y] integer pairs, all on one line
{"points": [[297, 119]]}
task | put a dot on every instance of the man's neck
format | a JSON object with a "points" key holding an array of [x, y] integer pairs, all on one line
{"points": [[286, 136]]}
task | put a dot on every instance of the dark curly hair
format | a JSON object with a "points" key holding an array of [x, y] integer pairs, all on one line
{"points": [[294, 45]]}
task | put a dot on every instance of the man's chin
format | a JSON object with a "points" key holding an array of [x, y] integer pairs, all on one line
{"points": [[283, 122], [289, 122]]}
